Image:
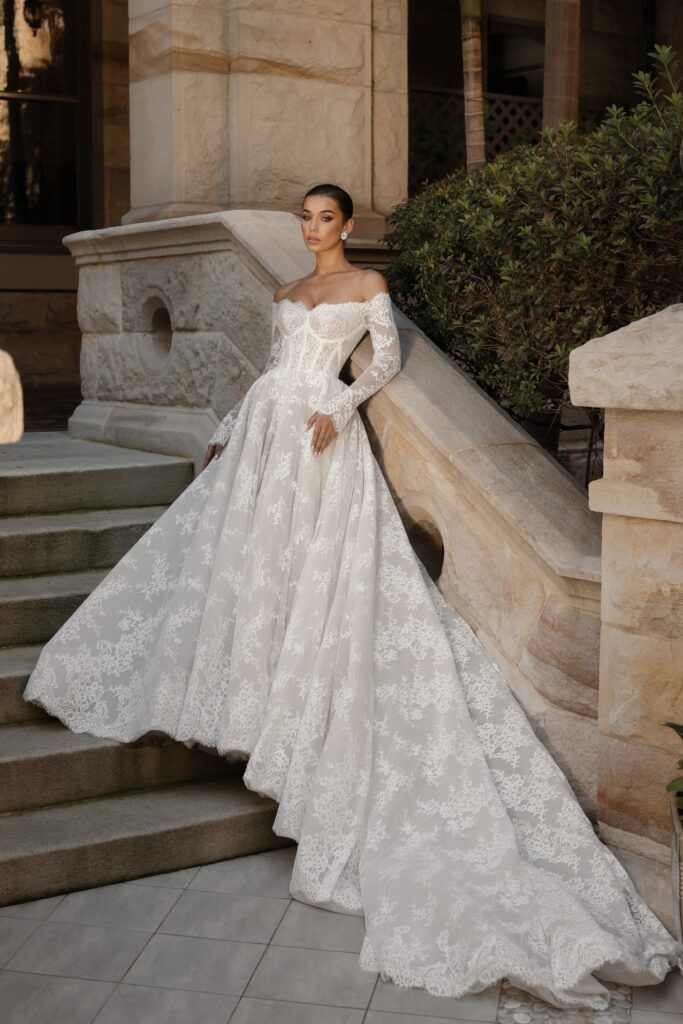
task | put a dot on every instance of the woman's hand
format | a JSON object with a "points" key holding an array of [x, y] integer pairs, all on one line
{"points": [[324, 431], [213, 449]]}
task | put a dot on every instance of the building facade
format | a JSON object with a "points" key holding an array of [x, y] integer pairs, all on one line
{"points": [[117, 113]]}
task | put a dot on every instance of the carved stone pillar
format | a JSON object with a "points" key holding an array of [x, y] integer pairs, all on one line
{"points": [[636, 374]]}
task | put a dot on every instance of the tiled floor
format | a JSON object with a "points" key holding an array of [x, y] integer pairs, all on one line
{"points": [[224, 942]]}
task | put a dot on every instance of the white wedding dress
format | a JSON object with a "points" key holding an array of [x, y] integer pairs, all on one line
{"points": [[276, 611]]}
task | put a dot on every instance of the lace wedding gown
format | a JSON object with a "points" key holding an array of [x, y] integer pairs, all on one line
{"points": [[276, 611]]}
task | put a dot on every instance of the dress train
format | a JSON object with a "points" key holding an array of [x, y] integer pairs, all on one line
{"points": [[277, 612]]}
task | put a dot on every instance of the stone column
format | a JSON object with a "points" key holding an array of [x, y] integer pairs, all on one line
{"points": [[246, 105], [178, 108], [561, 62], [636, 374]]}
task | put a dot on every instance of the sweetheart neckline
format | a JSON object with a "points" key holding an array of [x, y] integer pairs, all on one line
{"points": [[345, 302]]}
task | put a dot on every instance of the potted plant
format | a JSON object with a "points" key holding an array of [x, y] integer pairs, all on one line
{"points": [[675, 788]]}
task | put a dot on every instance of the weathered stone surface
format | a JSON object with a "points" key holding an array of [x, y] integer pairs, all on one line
{"points": [[11, 401], [340, 10], [390, 137], [99, 299], [562, 656], [459, 426], [643, 577], [641, 686], [251, 65], [640, 845], [276, 158], [636, 373], [174, 37], [59, 311], [188, 377], [389, 16], [89, 364], [508, 601], [203, 292], [388, 62], [643, 466], [632, 794], [301, 48], [39, 331], [573, 742], [637, 367]]}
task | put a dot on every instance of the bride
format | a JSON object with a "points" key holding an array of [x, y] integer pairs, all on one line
{"points": [[277, 613]]}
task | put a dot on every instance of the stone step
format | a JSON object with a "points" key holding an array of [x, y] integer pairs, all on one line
{"points": [[32, 608], [68, 541], [44, 763], [16, 665], [116, 838], [49, 471]]}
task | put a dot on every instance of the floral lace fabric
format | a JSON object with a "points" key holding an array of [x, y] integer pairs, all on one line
{"points": [[277, 612]]}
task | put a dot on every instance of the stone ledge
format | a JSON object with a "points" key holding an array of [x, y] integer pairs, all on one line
{"points": [[640, 366]]}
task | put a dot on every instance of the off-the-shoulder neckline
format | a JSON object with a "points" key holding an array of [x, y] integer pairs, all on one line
{"points": [[347, 302]]}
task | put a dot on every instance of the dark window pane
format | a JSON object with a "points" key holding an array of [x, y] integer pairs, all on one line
{"points": [[515, 58], [38, 163], [39, 46]]}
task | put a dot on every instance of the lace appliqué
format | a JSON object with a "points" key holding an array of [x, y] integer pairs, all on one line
{"points": [[386, 361]]}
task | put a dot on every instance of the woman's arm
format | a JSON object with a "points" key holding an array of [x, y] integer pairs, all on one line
{"points": [[386, 361]]}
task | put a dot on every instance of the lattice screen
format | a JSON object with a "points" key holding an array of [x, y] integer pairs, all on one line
{"points": [[437, 131]]}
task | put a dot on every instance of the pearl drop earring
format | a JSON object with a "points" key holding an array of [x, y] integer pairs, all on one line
{"points": [[344, 234]]}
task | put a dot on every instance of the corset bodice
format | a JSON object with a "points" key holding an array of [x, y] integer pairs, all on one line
{"points": [[317, 340]]}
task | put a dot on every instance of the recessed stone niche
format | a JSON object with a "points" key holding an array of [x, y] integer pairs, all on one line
{"points": [[158, 348], [426, 540]]}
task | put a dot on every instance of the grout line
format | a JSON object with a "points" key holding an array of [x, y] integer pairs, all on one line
{"points": [[374, 989], [123, 979], [258, 962], [4, 967]]}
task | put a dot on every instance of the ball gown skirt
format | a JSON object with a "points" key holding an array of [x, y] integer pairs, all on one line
{"points": [[277, 612]]}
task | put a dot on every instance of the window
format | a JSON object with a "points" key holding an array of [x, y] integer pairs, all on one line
{"points": [[43, 121], [514, 52]]}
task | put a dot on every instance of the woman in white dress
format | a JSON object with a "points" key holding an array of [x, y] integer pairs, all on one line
{"points": [[277, 613]]}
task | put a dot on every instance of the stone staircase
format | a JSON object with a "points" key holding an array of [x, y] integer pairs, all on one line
{"points": [[75, 810]]}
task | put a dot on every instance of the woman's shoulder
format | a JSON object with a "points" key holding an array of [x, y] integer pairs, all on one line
{"points": [[283, 290], [373, 281], [369, 283]]}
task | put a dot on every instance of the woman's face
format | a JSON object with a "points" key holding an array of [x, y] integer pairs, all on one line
{"points": [[322, 223]]}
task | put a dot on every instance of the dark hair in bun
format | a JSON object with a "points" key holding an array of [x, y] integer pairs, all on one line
{"points": [[340, 196]]}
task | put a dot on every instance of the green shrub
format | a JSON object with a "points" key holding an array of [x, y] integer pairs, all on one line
{"points": [[676, 785], [548, 245]]}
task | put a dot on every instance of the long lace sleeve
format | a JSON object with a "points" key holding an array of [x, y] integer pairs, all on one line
{"points": [[224, 428], [386, 361]]}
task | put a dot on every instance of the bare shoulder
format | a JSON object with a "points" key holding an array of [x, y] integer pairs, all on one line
{"points": [[372, 282], [283, 290]]}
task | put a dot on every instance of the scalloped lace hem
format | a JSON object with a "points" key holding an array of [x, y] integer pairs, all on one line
{"points": [[564, 995]]}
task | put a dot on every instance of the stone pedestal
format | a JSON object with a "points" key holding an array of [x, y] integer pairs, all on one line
{"points": [[175, 318], [636, 374]]}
